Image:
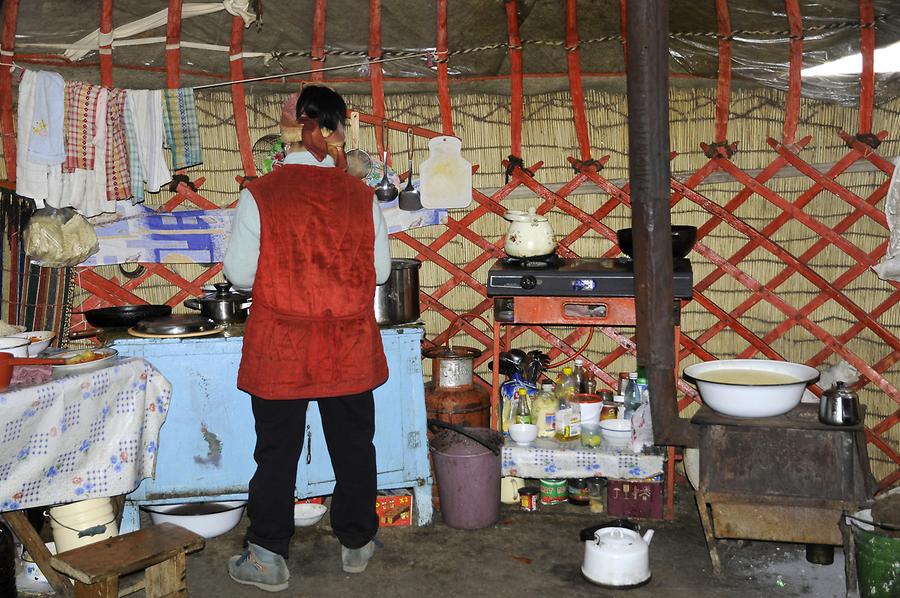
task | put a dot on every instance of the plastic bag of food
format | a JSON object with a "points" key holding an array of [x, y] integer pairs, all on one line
{"points": [[59, 237]]}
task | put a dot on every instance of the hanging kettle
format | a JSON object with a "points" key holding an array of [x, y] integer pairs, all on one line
{"points": [[617, 557], [529, 234]]}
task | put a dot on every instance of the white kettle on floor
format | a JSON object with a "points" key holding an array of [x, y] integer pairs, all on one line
{"points": [[617, 557]]}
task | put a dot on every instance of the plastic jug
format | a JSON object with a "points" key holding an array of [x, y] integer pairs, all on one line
{"points": [[445, 177]]}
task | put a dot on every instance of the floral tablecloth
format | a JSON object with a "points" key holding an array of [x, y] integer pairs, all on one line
{"points": [[87, 435], [550, 459]]}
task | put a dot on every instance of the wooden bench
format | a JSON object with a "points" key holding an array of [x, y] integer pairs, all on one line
{"points": [[159, 550]]}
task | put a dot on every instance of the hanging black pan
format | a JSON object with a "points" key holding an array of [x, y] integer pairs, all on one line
{"points": [[119, 316]]}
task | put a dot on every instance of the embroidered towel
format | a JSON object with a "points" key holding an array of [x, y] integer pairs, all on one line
{"points": [[47, 145], [118, 176], [181, 126], [80, 123]]}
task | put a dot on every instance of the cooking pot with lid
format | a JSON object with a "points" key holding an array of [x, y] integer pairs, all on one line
{"points": [[224, 306]]}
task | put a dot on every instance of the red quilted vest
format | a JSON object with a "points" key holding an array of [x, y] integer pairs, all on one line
{"points": [[312, 331]]}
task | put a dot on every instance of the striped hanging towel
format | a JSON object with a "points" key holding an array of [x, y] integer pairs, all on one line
{"points": [[118, 176], [181, 126], [79, 122]]}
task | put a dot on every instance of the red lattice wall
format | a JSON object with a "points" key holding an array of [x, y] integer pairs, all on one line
{"points": [[861, 146]]}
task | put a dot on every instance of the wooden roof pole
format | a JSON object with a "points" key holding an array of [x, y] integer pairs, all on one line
{"points": [[648, 166], [441, 58], [376, 74], [238, 98], [105, 45], [576, 90], [7, 51], [723, 87], [867, 77], [516, 93], [792, 109], [173, 45], [318, 39], [623, 27]]}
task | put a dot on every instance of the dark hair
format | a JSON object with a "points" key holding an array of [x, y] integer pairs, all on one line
{"points": [[323, 105]]}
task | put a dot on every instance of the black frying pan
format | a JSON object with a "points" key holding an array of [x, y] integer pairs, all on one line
{"points": [[119, 316]]}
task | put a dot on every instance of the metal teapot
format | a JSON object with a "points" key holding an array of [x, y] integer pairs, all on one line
{"points": [[529, 234], [839, 406]]}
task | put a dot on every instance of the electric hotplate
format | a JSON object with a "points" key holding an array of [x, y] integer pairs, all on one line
{"points": [[579, 277]]}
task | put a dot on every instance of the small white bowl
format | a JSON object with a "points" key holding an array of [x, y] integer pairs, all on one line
{"points": [[208, 519], [18, 347], [39, 339], [308, 513], [616, 432], [523, 434]]}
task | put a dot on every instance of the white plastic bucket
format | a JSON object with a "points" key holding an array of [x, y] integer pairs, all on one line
{"points": [[81, 523]]}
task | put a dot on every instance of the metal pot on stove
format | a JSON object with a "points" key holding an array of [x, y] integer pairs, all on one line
{"points": [[397, 300], [529, 234], [223, 306]]}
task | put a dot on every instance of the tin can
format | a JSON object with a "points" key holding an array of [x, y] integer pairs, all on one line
{"points": [[608, 411], [528, 499], [553, 492]]}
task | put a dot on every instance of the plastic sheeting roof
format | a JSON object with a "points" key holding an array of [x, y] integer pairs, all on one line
{"points": [[477, 35]]}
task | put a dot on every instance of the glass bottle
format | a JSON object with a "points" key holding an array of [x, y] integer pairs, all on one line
{"points": [[523, 411], [543, 410], [568, 425], [632, 398], [578, 373]]}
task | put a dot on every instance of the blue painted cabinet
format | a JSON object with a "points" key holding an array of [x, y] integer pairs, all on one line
{"points": [[206, 444]]}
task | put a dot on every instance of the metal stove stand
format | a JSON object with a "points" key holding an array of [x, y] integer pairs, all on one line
{"points": [[573, 311]]}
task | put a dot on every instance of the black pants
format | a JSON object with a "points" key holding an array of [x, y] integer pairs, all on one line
{"points": [[349, 426]]}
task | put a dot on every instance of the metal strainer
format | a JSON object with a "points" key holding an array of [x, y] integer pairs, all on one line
{"points": [[359, 163]]}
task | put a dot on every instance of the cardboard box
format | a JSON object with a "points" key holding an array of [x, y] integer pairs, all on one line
{"points": [[635, 498], [394, 509]]}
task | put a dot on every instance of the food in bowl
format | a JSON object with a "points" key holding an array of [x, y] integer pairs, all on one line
{"points": [[750, 387], [523, 434], [308, 513], [86, 357], [81, 361]]}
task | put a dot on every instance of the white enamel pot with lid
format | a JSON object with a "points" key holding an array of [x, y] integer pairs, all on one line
{"points": [[617, 557], [529, 234]]}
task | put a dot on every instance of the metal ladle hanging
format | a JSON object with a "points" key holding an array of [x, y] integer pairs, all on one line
{"points": [[410, 199], [386, 190]]}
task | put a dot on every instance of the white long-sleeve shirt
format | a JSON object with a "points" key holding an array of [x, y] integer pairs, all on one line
{"points": [[242, 254]]}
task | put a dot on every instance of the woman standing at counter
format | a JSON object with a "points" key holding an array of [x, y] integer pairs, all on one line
{"points": [[311, 242]]}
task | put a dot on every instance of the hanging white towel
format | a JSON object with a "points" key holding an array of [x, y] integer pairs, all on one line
{"points": [[46, 144], [39, 182], [144, 127], [889, 267]]}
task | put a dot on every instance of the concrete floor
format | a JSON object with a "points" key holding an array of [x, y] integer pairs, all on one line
{"points": [[525, 553]]}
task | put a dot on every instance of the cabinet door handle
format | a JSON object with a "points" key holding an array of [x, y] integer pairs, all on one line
{"points": [[308, 445]]}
